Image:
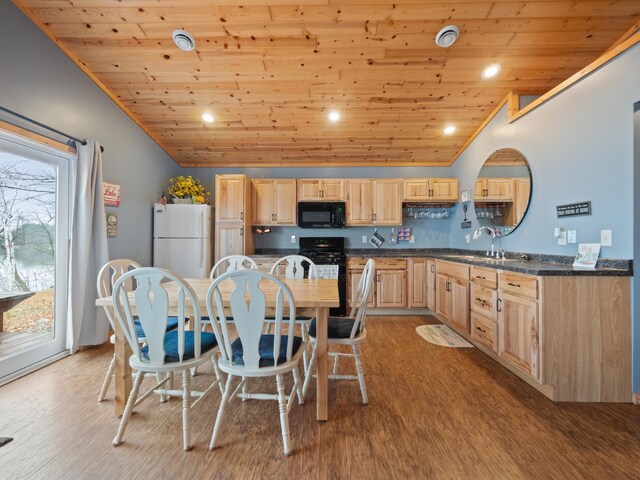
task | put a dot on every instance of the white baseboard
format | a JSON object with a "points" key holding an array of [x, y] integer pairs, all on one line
{"points": [[32, 368]]}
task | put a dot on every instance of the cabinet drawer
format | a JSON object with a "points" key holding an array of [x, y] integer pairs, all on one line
{"points": [[358, 263], [518, 284], [456, 270], [483, 301], [487, 277], [484, 331]]}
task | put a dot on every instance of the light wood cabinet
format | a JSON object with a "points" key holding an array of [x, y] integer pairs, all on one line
{"points": [[518, 332], [431, 285], [430, 190], [359, 202], [374, 202], [326, 189], [452, 294], [391, 288], [232, 213], [231, 194], [494, 190], [274, 201], [418, 282], [522, 188]]}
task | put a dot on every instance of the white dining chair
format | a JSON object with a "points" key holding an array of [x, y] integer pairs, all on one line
{"points": [[165, 351], [255, 354], [232, 263], [346, 331], [107, 277], [293, 266]]}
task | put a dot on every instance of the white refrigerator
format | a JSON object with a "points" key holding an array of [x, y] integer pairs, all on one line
{"points": [[183, 239]]}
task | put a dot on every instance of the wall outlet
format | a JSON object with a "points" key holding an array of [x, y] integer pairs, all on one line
{"points": [[572, 236], [606, 239], [293, 239], [467, 238], [412, 239], [365, 239], [562, 238]]}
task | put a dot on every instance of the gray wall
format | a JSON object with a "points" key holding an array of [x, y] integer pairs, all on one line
{"points": [[428, 233], [579, 147], [636, 246], [39, 81]]}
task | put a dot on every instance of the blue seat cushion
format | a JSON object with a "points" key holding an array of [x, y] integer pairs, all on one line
{"points": [[207, 342], [266, 350], [172, 324], [338, 327]]}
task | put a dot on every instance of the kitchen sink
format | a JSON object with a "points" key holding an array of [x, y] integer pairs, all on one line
{"points": [[480, 258]]}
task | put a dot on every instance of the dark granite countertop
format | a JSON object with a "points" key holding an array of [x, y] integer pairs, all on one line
{"points": [[538, 264]]}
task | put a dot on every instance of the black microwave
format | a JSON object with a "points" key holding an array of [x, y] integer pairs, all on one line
{"points": [[321, 214]]}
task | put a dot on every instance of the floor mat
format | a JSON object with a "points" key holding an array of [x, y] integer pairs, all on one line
{"points": [[442, 335]]}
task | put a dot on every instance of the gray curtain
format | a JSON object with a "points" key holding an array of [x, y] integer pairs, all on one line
{"points": [[88, 251]]}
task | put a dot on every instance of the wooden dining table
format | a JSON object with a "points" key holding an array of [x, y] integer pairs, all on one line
{"points": [[318, 294]]}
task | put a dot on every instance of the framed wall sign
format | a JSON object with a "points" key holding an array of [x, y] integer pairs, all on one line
{"points": [[111, 192], [573, 209]]}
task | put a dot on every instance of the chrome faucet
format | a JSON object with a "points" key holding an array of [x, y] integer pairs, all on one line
{"points": [[492, 232]]}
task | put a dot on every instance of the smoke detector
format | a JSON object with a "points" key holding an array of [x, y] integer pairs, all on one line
{"points": [[184, 40], [447, 36]]}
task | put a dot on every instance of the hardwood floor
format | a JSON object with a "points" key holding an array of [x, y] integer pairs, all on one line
{"points": [[434, 412]]}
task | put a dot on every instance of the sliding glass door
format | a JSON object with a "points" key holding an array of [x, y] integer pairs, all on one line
{"points": [[34, 233]]}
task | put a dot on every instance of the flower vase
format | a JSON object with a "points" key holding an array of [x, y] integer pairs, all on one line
{"points": [[182, 201]]}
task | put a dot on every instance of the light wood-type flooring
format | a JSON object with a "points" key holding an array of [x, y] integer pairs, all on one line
{"points": [[434, 412]]}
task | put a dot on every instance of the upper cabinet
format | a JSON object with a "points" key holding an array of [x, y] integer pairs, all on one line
{"points": [[430, 190], [494, 190], [273, 201], [374, 202], [231, 195], [326, 190]]}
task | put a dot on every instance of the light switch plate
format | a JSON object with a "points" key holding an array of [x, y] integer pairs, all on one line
{"points": [[572, 236], [293, 239], [365, 239], [606, 239], [467, 238]]}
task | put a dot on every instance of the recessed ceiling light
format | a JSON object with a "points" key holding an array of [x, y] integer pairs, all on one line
{"points": [[447, 36], [449, 129], [491, 71], [333, 116], [207, 117], [184, 40]]}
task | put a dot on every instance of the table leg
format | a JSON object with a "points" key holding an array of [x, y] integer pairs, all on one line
{"points": [[322, 372], [122, 371]]}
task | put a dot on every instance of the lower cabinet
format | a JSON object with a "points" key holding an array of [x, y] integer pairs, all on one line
{"points": [[418, 283], [390, 287], [452, 294], [518, 333], [232, 239], [431, 285]]}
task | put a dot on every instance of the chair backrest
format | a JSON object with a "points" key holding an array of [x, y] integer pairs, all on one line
{"points": [[359, 308], [108, 276], [293, 266], [251, 291], [153, 305], [231, 264]]}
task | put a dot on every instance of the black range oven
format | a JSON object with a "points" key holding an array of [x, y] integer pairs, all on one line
{"points": [[329, 251]]}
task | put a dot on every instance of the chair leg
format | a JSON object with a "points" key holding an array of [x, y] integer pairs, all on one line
{"points": [[244, 390], [309, 373], [305, 352], [128, 410], [163, 397], [360, 370], [297, 381], [219, 417], [284, 416], [107, 379], [186, 409], [218, 373]]}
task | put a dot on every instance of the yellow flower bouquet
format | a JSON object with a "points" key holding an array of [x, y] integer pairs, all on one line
{"points": [[187, 188]]}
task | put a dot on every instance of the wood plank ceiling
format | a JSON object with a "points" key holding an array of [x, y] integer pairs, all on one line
{"points": [[271, 71]]}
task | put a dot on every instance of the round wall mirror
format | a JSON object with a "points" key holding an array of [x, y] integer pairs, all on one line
{"points": [[503, 191]]}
